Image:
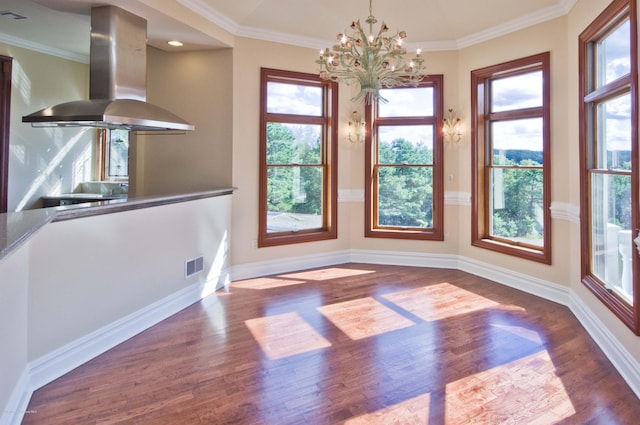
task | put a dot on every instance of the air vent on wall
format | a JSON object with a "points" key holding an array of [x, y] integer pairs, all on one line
{"points": [[193, 266]]}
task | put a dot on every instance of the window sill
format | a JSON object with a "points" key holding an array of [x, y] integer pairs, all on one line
{"points": [[543, 256], [296, 237], [618, 307], [422, 235]]}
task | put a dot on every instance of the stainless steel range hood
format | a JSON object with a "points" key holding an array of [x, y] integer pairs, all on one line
{"points": [[117, 90]]}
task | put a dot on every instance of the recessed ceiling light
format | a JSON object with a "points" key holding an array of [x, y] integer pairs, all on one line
{"points": [[175, 43]]}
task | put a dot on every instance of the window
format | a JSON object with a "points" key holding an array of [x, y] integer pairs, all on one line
{"points": [[510, 158], [298, 158], [609, 159], [113, 155], [403, 159]]}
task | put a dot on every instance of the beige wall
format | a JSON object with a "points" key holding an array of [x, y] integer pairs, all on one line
{"points": [[45, 161], [197, 87]]}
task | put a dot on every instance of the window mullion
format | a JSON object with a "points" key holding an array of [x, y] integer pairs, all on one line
{"points": [[608, 91]]}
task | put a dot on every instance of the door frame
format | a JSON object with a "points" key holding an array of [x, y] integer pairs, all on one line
{"points": [[5, 120]]}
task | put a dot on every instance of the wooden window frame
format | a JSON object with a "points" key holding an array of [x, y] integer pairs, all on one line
{"points": [[329, 157], [481, 118], [589, 97], [372, 230], [102, 158]]}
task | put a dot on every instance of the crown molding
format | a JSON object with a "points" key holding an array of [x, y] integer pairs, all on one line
{"points": [[526, 21], [283, 38], [29, 45], [567, 5], [211, 14], [432, 46], [216, 17]]}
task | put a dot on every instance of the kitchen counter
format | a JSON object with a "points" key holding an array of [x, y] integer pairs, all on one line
{"points": [[78, 198], [17, 227]]}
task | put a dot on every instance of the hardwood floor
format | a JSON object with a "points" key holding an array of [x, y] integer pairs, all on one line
{"points": [[351, 344]]}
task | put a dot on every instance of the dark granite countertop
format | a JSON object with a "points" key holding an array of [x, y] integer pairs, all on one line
{"points": [[17, 227], [89, 196]]}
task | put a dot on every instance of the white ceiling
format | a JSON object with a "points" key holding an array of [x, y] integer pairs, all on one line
{"points": [[62, 26]]}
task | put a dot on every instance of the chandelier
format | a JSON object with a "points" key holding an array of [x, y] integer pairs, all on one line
{"points": [[373, 61]]}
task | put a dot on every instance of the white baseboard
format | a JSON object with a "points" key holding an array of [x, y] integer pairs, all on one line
{"points": [[284, 265], [53, 365], [16, 408], [625, 363], [538, 287], [542, 288], [397, 258], [66, 358]]}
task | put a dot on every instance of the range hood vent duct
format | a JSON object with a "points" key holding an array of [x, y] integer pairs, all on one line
{"points": [[117, 85]]}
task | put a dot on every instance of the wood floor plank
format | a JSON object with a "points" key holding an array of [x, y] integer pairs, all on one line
{"points": [[351, 344]]}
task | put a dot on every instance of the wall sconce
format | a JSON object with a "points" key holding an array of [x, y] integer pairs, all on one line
{"points": [[451, 127], [357, 128]]}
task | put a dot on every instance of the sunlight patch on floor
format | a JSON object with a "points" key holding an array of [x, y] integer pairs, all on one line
{"points": [[503, 394], [520, 331], [437, 302], [265, 283], [364, 317], [285, 335], [326, 274], [414, 411], [297, 278]]}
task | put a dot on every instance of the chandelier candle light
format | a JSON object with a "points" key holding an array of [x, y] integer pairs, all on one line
{"points": [[358, 126], [374, 61], [451, 127]]}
